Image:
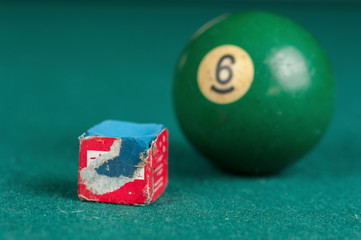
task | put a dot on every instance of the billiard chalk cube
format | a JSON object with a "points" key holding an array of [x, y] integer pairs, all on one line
{"points": [[123, 162]]}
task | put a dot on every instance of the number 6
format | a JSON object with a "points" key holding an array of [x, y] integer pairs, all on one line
{"points": [[224, 68]]}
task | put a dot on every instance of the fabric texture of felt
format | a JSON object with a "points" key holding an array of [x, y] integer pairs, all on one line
{"points": [[66, 66]]}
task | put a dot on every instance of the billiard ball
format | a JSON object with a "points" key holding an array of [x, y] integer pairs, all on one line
{"points": [[253, 92]]}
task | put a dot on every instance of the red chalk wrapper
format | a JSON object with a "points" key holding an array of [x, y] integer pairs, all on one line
{"points": [[123, 163]]}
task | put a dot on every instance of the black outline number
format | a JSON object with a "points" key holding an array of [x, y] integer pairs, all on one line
{"points": [[229, 77]]}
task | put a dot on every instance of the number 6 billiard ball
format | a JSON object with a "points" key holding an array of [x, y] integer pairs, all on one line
{"points": [[253, 92]]}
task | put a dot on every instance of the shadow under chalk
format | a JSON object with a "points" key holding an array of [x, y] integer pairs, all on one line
{"points": [[57, 187]]}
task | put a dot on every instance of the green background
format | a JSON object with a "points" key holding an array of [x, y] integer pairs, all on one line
{"points": [[67, 66]]}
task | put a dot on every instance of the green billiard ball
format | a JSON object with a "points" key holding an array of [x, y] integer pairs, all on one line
{"points": [[253, 92]]}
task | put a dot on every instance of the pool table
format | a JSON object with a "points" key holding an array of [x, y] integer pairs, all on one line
{"points": [[66, 66]]}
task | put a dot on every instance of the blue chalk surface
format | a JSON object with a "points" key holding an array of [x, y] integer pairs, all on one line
{"points": [[122, 129], [136, 140]]}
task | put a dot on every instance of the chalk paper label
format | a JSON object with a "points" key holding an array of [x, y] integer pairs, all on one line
{"points": [[92, 155]]}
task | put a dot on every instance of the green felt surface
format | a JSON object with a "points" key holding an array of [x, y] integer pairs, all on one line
{"points": [[67, 66]]}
